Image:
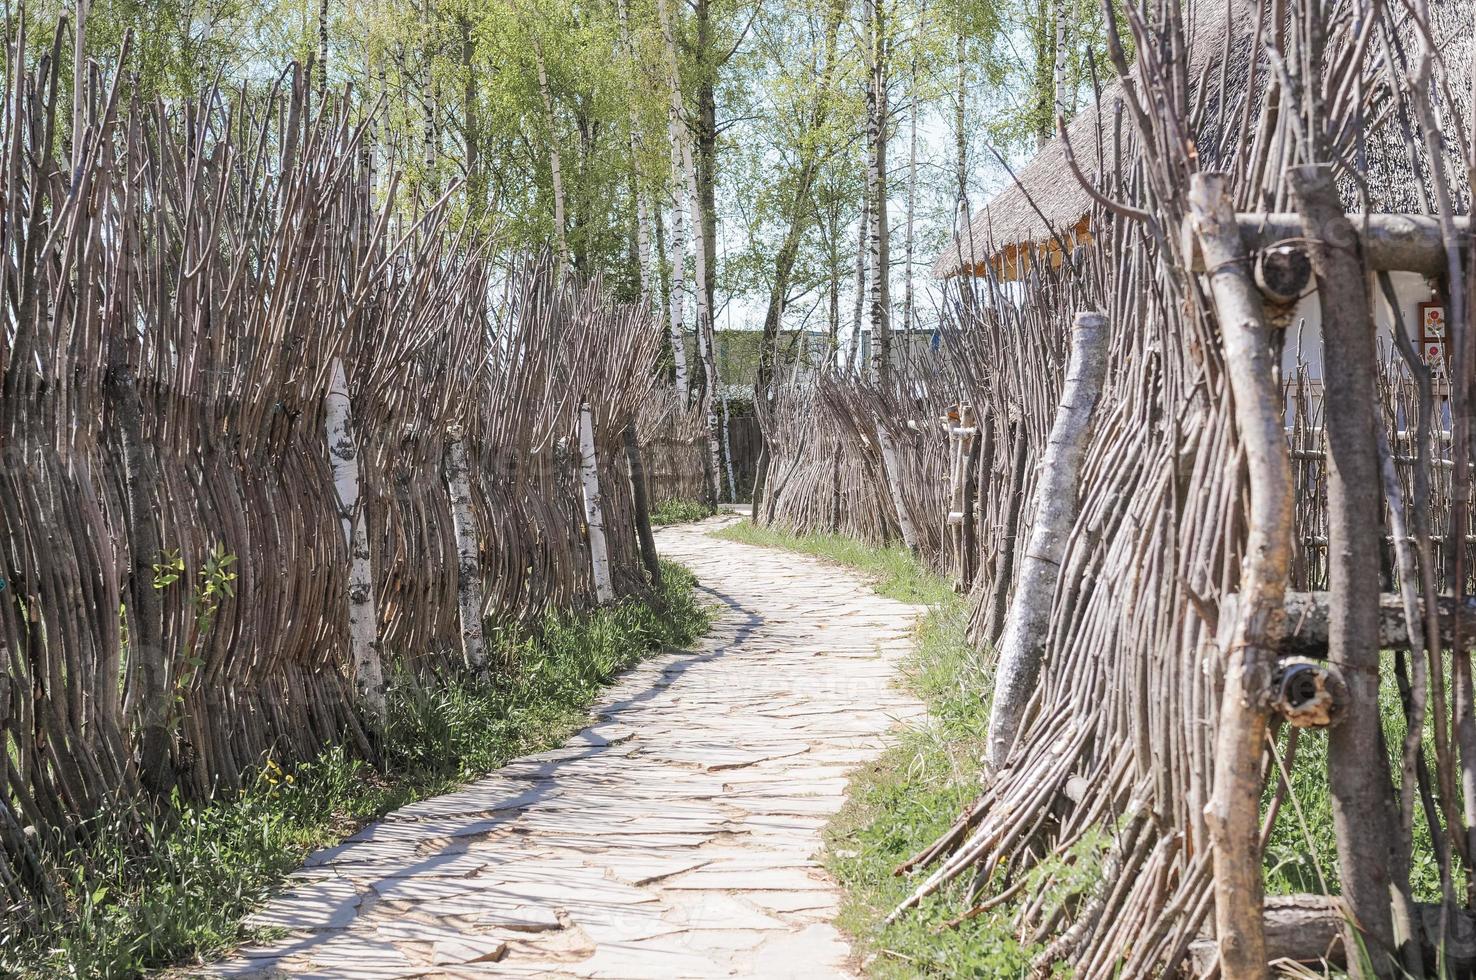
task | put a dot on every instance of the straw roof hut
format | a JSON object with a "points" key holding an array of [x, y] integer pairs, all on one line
{"points": [[1046, 207]]}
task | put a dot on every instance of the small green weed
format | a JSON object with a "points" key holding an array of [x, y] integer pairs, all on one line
{"points": [[679, 512]]}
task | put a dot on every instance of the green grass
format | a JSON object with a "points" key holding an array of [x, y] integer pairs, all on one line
{"points": [[179, 896], [1302, 852], [679, 512], [894, 571], [903, 801]]}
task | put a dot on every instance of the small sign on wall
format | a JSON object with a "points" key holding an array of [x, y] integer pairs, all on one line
{"points": [[1432, 335]]}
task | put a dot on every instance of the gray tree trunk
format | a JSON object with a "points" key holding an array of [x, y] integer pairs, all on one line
{"points": [[1364, 814], [1022, 647], [641, 496], [876, 184]]}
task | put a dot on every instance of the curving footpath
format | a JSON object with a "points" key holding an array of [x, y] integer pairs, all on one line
{"points": [[677, 836]]}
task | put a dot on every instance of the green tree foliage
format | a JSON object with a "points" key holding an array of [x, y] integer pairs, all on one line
{"points": [[777, 118]]}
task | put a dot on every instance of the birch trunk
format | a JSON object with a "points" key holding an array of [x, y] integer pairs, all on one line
{"points": [[1022, 647], [322, 52], [832, 323], [643, 212], [862, 236], [678, 262], [594, 512], [428, 146], [728, 453], [555, 158], [705, 344], [876, 183], [960, 135], [468, 553], [363, 623], [1058, 67], [893, 472], [1233, 816], [907, 241]]}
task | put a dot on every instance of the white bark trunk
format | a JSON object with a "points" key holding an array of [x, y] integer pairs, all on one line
{"points": [[594, 512], [728, 453], [862, 234], [643, 212], [468, 552], [1062, 97], [1022, 646], [555, 158], [893, 471], [679, 262], [908, 292], [876, 189], [705, 340], [363, 622], [960, 133]]}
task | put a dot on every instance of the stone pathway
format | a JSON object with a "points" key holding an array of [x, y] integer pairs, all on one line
{"points": [[677, 836]]}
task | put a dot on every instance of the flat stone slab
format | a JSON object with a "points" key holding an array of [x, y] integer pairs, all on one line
{"points": [[675, 836]]}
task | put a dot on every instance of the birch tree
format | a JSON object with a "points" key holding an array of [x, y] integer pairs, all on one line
{"points": [[879, 298], [682, 150], [469, 599], [363, 620], [594, 509], [797, 210]]}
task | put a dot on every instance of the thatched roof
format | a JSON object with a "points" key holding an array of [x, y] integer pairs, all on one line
{"points": [[1047, 199], [1046, 205]]}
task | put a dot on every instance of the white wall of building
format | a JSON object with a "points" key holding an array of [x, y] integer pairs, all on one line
{"points": [[1303, 344]]}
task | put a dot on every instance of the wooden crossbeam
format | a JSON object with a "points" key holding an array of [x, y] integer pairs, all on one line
{"points": [[1306, 622], [1391, 242]]}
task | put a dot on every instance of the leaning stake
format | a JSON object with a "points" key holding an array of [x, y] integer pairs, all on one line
{"points": [[1022, 646], [1357, 762]]}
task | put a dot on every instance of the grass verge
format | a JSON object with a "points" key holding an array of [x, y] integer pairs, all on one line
{"points": [[895, 573], [181, 895], [903, 801], [679, 512]]}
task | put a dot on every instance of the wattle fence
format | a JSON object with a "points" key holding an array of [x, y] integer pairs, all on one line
{"points": [[270, 433]]}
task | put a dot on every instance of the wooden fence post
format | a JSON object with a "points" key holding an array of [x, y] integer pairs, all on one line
{"points": [[1234, 812], [1357, 760], [1004, 552], [641, 496], [893, 475], [1022, 647]]}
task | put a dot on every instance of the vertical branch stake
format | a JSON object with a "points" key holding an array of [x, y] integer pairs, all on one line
{"points": [[1234, 815]]}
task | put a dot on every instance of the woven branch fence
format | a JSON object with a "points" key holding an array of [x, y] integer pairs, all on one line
{"points": [[1130, 754], [269, 434]]}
